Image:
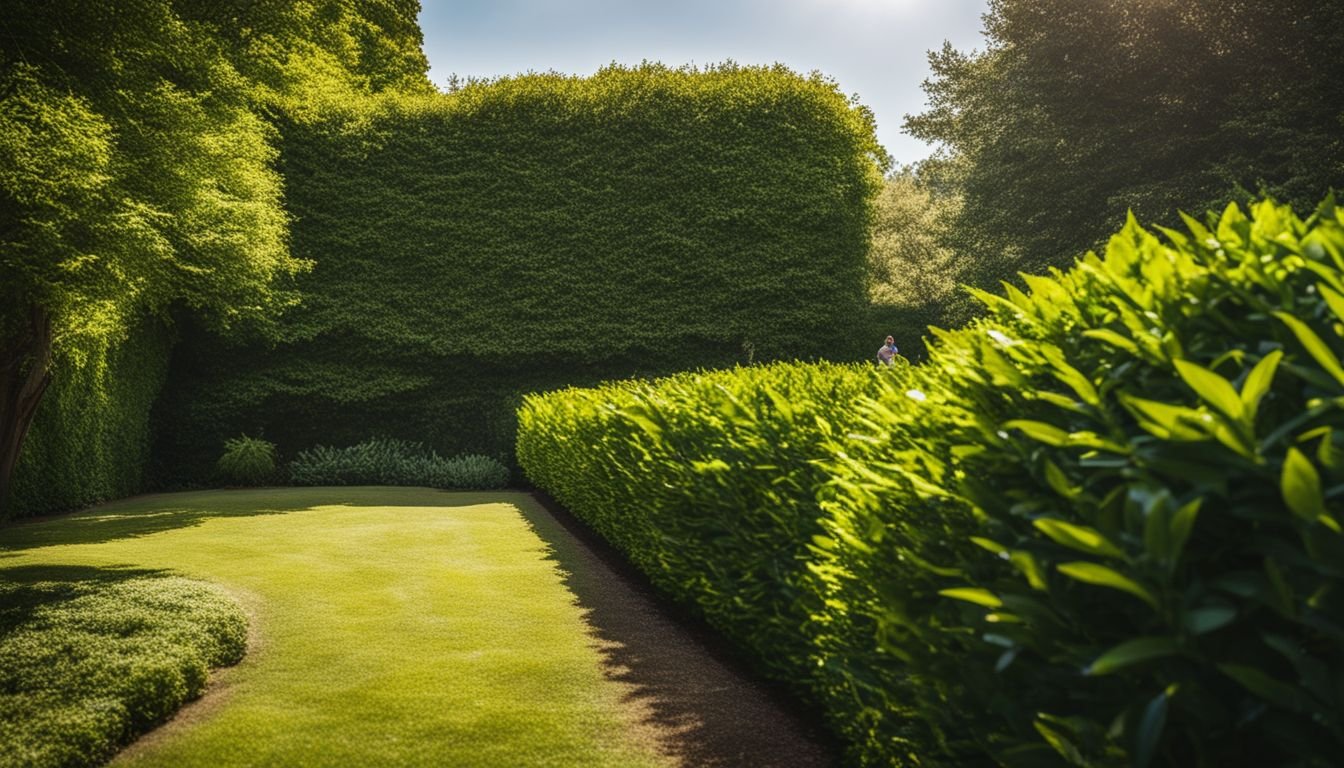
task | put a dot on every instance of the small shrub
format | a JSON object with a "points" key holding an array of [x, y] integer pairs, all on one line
{"points": [[382, 461], [472, 471], [247, 461], [89, 663]]}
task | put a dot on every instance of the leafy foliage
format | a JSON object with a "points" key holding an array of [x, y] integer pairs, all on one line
{"points": [[395, 462], [91, 440], [1077, 112], [709, 482], [88, 663], [138, 178], [247, 460], [1100, 527], [908, 263], [539, 231], [1161, 545]]}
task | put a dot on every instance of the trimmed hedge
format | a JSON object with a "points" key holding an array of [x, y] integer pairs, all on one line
{"points": [[1100, 527], [395, 462], [90, 440], [92, 658], [660, 469], [539, 231]]}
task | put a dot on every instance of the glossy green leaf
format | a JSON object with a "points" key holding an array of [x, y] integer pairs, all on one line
{"points": [[1212, 389], [1169, 422], [1039, 431], [1333, 299], [1078, 537], [1314, 346], [1114, 339], [1300, 485], [1133, 652], [1151, 724], [973, 595], [1179, 528], [1030, 568], [1101, 576], [1259, 380], [989, 545], [1070, 376], [1057, 480], [1060, 742]]}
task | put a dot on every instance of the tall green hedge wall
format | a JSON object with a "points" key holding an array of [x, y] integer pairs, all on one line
{"points": [[538, 231], [90, 440], [1100, 527]]}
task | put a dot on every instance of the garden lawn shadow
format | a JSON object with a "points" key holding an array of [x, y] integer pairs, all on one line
{"points": [[696, 699], [400, 626]]}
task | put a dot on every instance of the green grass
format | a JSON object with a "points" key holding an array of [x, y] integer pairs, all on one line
{"points": [[396, 626]]}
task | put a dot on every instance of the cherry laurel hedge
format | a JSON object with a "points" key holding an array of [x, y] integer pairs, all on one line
{"points": [[537, 231], [1100, 527]]}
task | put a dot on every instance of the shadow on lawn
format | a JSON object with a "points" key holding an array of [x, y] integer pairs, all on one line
{"points": [[703, 707], [26, 588], [118, 520], [156, 513]]}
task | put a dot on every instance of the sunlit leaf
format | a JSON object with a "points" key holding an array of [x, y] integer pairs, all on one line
{"points": [[1300, 485], [1133, 652], [1101, 576], [1078, 537], [973, 595], [1314, 346]]}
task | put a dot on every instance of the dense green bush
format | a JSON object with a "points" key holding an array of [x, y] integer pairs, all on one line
{"points": [[247, 461], [1155, 471], [138, 177], [90, 440], [87, 664], [395, 462], [1100, 527], [709, 483], [541, 231]]}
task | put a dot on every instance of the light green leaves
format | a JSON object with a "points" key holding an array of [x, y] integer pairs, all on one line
{"points": [[1300, 485], [1169, 422], [1314, 346], [1258, 381], [1039, 431], [1212, 389], [1078, 537], [973, 595], [1101, 576], [1133, 652]]}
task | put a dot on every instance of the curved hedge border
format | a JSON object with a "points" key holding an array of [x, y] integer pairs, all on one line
{"points": [[538, 231], [1100, 527], [91, 658]]}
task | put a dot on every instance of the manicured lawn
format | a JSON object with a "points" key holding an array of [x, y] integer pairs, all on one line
{"points": [[393, 626]]}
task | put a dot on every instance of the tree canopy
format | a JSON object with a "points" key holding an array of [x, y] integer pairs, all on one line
{"points": [[138, 164], [1076, 112]]}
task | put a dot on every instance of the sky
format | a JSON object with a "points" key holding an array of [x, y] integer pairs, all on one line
{"points": [[877, 49]]}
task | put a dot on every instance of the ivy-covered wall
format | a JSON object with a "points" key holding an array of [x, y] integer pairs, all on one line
{"points": [[539, 231]]}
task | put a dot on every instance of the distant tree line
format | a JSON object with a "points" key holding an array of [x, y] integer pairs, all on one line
{"points": [[1076, 112]]}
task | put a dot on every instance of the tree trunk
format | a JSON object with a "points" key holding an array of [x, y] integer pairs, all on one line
{"points": [[25, 372]]}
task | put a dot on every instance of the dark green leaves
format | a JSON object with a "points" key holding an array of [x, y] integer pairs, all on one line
{"points": [[1133, 652]]}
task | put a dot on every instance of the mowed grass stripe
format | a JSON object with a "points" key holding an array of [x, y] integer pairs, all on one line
{"points": [[390, 626]]}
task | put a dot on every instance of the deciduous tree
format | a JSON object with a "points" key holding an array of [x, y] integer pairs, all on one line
{"points": [[1078, 111]]}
